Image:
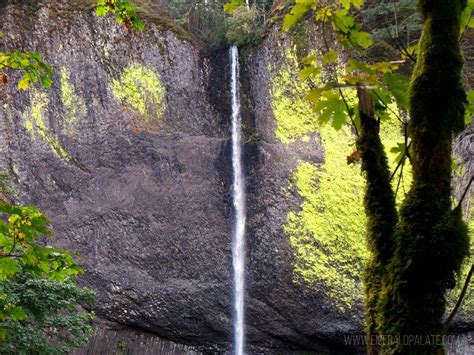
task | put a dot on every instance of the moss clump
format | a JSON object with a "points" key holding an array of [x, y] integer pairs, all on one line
{"points": [[36, 125], [380, 208], [140, 89], [292, 112], [327, 233], [73, 105]]}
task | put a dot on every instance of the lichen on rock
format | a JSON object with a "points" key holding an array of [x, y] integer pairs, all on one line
{"points": [[140, 89], [328, 233], [292, 113], [73, 105], [35, 123]]}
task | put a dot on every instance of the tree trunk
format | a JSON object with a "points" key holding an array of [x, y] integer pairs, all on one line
{"points": [[430, 239]]}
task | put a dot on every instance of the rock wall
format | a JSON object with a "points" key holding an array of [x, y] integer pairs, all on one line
{"points": [[129, 155]]}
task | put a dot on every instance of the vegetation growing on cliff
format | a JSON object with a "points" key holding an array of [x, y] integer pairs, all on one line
{"points": [[417, 252], [73, 104], [327, 229], [39, 298], [141, 89]]}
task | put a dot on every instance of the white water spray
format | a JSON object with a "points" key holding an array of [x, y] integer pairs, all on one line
{"points": [[238, 194]]}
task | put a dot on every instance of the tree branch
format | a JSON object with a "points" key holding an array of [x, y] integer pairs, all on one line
{"points": [[461, 296], [465, 192], [401, 161]]}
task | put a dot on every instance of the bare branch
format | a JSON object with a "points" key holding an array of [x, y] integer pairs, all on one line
{"points": [[461, 296]]}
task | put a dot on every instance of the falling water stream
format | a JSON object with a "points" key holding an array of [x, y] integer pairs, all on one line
{"points": [[238, 194]]}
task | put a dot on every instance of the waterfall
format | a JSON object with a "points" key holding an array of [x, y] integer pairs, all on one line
{"points": [[238, 195]]}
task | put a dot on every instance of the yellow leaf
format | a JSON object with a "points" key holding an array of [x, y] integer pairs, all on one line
{"points": [[23, 84]]}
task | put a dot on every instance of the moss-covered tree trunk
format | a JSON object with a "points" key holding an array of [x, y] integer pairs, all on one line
{"points": [[417, 254], [430, 239], [380, 209]]}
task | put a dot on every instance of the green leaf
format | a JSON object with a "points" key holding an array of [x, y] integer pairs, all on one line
{"points": [[8, 267], [342, 21], [309, 60], [101, 11], [297, 11], [361, 39], [138, 24], [4, 241], [330, 57], [356, 3], [233, 5], [310, 71], [398, 87], [17, 313], [331, 106], [400, 151], [314, 95], [46, 82], [410, 51], [381, 99], [466, 17]]}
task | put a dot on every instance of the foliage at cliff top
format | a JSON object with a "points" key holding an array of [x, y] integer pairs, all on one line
{"points": [[123, 10], [213, 24]]}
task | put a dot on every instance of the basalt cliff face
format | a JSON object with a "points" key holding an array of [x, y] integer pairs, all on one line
{"points": [[128, 154]]}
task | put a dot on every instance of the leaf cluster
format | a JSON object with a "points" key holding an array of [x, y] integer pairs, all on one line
{"points": [[335, 101], [44, 317], [30, 63], [38, 297], [20, 231], [338, 13], [123, 10]]}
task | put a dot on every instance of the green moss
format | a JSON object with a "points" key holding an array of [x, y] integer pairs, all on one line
{"points": [[73, 105], [328, 233], [431, 241], [141, 89], [35, 123], [292, 113]]}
